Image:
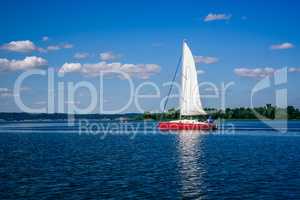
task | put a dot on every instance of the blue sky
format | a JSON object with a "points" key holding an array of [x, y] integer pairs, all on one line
{"points": [[230, 39]]}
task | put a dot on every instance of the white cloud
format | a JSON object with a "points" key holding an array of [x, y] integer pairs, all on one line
{"points": [[6, 92], [28, 63], [294, 69], [260, 72], [22, 46], [200, 72], [81, 55], [285, 45], [53, 48], [42, 50], [213, 17], [142, 71], [70, 67], [45, 38], [58, 47], [109, 56], [67, 46], [254, 73], [206, 59]]}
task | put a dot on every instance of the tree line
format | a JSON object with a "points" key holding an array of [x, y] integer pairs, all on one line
{"points": [[264, 112]]}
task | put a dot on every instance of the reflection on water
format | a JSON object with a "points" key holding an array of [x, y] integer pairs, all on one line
{"points": [[190, 165]]}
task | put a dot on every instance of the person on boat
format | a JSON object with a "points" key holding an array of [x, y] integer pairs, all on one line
{"points": [[210, 120]]}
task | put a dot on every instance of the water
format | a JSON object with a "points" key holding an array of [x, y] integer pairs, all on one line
{"points": [[52, 160]]}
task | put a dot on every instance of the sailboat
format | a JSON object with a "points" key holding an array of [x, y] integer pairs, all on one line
{"points": [[190, 102]]}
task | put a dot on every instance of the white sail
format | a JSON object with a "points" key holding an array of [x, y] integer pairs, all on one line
{"points": [[190, 103]]}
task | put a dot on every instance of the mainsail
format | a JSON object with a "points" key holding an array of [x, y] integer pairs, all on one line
{"points": [[190, 103]]}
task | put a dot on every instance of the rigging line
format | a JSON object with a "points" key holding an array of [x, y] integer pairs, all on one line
{"points": [[178, 64]]}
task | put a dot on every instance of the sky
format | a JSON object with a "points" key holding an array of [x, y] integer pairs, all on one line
{"points": [[235, 43]]}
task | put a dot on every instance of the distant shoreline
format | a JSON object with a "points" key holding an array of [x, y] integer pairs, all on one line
{"points": [[267, 112], [65, 116]]}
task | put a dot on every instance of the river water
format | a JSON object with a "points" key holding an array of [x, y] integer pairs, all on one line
{"points": [[113, 160]]}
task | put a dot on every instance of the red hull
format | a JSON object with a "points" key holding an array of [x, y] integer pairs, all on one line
{"points": [[185, 126]]}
